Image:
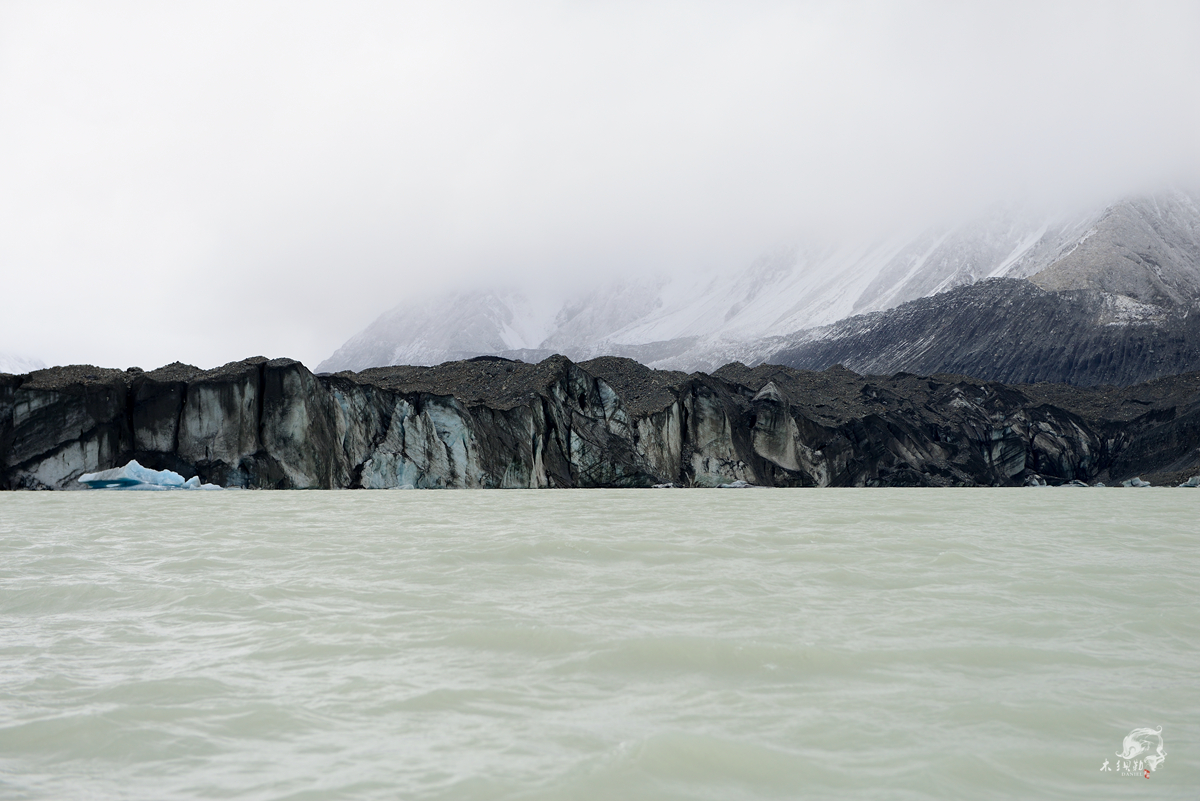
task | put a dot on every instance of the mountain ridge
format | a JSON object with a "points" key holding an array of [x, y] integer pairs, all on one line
{"points": [[1009, 330], [1143, 251]]}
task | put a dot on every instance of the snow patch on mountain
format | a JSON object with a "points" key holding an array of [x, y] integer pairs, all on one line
{"points": [[700, 321], [18, 365]]}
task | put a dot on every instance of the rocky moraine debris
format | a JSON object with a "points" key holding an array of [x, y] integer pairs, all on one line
{"points": [[1010, 331], [608, 422]]}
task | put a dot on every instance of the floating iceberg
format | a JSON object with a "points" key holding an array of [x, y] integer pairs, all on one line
{"points": [[135, 477]]}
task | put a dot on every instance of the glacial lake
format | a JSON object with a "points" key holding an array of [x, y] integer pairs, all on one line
{"points": [[600, 644]]}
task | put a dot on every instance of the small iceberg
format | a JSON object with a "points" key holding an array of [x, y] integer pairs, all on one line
{"points": [[1194, 481], [1135, 482], [739, 484], [135, 477]]}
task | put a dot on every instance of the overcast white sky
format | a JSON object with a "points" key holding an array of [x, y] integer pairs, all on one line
{"points": [[208, 181]]}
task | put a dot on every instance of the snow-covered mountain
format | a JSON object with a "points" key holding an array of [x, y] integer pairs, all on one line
{"points": [[19, 365], [1145, 248], [457, 325]]}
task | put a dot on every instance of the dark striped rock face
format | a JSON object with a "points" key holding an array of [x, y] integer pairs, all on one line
{"points": [[1011, 331], [609, 422]]}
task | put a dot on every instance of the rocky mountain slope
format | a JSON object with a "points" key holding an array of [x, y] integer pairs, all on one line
{"points": [[608, 422], [1120, 307], [1008, 330], [1144, 249], [1147, 249]]}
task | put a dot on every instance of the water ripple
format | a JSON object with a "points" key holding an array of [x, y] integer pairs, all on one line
{"points": [[596, 644]]}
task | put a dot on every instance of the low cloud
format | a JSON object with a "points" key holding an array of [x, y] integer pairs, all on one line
{"points": [[209, 181]]}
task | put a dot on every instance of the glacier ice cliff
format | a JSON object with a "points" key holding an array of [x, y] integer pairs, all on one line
{"points": [[610, 422]]}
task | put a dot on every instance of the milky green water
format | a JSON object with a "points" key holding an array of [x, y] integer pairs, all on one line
{"points": [[595, 644]]}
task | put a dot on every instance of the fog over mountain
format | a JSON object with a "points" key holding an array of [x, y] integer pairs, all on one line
{"points": [[1140, 254], [200, 183], [16, 364]]}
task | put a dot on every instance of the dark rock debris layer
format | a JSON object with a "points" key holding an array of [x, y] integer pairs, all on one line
{"points": [[609, 422]]}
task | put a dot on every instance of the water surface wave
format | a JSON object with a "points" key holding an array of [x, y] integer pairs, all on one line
{"points": [[597, 644]]}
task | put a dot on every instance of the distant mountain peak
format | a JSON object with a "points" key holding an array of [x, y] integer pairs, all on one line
{"points": [[16, 364], [1145, 249]]}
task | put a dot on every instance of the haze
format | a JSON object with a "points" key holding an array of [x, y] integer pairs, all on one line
{"points": [[206, 182]]}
